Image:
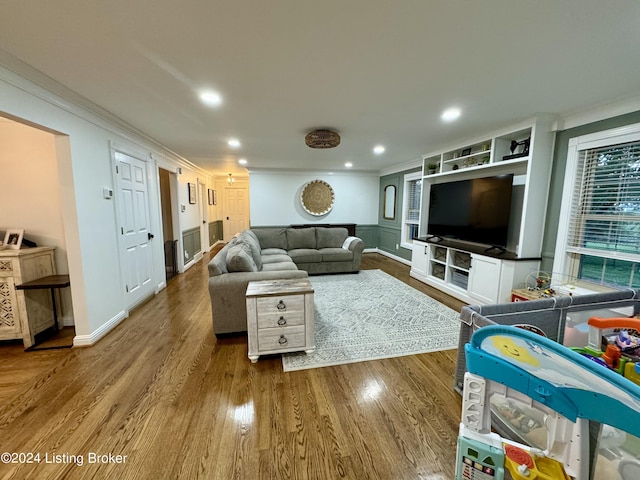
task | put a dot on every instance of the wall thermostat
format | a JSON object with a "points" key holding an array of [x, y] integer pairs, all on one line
{"points": [[107, 192]]}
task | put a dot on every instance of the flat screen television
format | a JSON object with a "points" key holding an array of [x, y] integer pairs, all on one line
{"points": [[474, 210]]}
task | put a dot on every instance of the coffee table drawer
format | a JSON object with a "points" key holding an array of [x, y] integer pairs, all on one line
{"points": [[281, 338]]}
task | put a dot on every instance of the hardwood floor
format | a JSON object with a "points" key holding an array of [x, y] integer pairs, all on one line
{"points": [[175, 402]]}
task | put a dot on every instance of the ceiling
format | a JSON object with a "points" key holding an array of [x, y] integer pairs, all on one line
{"points": [[379, 72]]}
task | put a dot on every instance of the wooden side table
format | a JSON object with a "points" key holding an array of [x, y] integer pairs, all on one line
{"points": [[280, 317]]}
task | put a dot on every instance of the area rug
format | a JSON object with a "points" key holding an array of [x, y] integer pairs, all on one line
{"points": [[372, 315]]}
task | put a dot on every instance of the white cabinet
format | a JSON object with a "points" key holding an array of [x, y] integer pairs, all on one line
{"points": [[25, 313], [469, 276], [484, 280], [419, 257]]}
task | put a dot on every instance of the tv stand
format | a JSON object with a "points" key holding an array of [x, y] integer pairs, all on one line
{"points": [[495, 247], [473, 274]]}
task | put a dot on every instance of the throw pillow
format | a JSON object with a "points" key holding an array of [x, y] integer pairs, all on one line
{"points": [[239, 259], [271, 237]]}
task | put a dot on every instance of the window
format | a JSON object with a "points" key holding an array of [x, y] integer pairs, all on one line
{"points": [[411, 208], [601, 202]]}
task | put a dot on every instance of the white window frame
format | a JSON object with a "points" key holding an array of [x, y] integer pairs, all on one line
{"points": [[404, 241], [566, 264]]}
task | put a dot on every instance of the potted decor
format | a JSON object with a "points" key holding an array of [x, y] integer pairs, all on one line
{"points": [[432, 168]]}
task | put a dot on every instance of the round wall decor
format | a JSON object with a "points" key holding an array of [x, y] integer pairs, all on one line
{"points": [[317, 197]]}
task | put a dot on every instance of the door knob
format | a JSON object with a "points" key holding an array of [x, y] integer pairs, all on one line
{"points": [[149, 236]]}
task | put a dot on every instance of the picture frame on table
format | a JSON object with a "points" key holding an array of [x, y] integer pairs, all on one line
{"points": [[192, 193], [13, 238]]}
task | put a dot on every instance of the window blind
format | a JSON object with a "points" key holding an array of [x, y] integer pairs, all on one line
{"points": [[605, 219], [412, 212]]}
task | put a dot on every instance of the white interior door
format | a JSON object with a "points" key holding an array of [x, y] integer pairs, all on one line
{"points": [[133, 208], [236, 216]]}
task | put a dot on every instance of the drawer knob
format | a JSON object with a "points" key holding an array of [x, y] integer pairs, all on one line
{"points": [[282, 321], [282, 340], [281, 305]]}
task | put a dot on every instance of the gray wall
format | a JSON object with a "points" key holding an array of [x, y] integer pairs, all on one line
{"points": [[389, 231], [557, 177]]}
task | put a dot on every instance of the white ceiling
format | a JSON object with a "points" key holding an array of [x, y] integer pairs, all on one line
{"points": [[378, 71]]}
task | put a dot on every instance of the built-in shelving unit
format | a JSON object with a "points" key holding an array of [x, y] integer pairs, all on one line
{"points": [[523, 150]]}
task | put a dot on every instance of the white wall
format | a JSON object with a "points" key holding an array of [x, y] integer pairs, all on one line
{"points": [[30, 193], [275, 198], [83, 150]]}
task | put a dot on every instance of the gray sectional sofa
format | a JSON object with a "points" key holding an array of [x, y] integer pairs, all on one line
{"points": [[274, 254]]}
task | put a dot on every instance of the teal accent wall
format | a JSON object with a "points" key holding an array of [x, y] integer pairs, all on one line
{"points": [[557, 177], [191, 244], [390, 231], [368, 234]]}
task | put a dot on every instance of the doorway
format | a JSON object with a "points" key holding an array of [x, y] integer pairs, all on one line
{"points": [[167, 195]]}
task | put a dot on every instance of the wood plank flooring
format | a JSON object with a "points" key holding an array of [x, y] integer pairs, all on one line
{"points": [[174, 402]]}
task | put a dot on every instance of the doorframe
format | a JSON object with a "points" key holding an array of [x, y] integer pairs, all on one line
{"points": [[204, 217]]}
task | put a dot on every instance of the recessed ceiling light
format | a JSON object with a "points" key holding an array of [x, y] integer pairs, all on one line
{"points": [[348, 164], [378, 149], [211, 98], [242, 161], [233, 142], [451, 114]]}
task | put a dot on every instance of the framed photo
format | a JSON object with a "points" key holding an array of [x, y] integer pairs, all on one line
{"points": [[466, 151], [13, 238], [214, 196], [192, 193], [210, 197]]}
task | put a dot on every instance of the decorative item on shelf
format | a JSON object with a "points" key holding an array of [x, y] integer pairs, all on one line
{"points": [[432, 168], [13, 238], [514, 146], [322, 138], [317, 197], [455, 167], [466, 151]]}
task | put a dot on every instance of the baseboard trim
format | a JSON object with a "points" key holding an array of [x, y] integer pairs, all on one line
{"points": [[391, 255], [91, 339]]}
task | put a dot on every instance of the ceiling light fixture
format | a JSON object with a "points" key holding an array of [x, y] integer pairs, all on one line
{"points": [[378, 149], [242, 161], [451, 114], [348, 164], [231, 180], [322, 138], [233, 143], [211, 98]]}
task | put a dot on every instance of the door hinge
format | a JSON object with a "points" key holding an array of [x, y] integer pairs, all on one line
{"points": [[121, 230], [126, 287], [117, 170]]}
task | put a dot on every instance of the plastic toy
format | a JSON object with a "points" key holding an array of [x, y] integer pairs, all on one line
{"points": [[541, 387], [611, 340]]}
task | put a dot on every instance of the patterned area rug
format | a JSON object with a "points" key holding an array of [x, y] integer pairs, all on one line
{"points": [[372, 315]]}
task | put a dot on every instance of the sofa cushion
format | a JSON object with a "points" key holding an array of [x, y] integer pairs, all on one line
{"points": [[301, 238], [267, 259], [272, 251], [240, 259], [254, 246], [336, 255], [327, 237], [305, 255], [278, 266], [272, 237]]}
